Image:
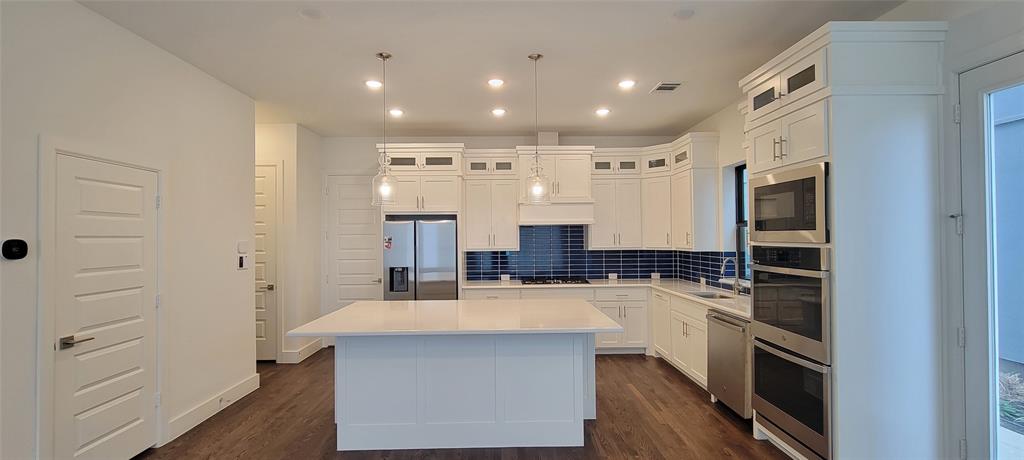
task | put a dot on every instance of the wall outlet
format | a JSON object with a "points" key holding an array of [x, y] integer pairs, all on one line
{"points": [[655, 276], [613, 276]]}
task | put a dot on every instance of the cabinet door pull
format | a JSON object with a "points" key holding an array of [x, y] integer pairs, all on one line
{"points": [[782, 151], [667, 241], [776, 147]]}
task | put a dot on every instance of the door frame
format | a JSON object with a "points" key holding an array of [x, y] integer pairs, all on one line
{"points": [[950, 187], [49, 148], [279, 288]]}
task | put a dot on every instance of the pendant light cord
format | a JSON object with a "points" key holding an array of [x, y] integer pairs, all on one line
{"points": [[536, 114], [384, 113]]}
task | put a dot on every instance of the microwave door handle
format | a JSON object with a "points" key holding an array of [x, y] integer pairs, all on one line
{"points": [[790, 271], [793, 359]]}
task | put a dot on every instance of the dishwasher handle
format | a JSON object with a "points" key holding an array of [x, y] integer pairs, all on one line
{"points": [[721, 321]]}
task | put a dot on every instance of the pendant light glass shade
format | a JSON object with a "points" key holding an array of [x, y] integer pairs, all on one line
{"points": [[538, 187], [384, 185]]}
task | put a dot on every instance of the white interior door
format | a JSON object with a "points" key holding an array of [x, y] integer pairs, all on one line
{"points": [[352, 246], [992, 164], [266, 262], [105, 310]]}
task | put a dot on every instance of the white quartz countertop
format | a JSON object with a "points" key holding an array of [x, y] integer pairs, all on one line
{"points": [[451, 317], [735, 305]]}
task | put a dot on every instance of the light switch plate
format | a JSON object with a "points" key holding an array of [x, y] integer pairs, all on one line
{"points": [[242, 247], [244, 262]]}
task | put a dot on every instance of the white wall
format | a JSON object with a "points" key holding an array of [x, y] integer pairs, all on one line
{"points": [[296, 150], [73, 74]]}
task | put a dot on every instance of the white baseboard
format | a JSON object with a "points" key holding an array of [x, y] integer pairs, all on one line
{"points": [[180, 424], [621, 351], [296, 356]]}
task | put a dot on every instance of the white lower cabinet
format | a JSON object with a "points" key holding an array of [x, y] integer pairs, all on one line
{"points": [[661, 327], [688, 334], [632, 316], [614, 311]]}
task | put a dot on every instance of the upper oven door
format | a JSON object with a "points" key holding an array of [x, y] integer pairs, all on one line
{"points": [[789, 206], [790, 308]]}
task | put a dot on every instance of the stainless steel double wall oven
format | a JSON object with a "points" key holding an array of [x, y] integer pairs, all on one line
{"points": [[791, 307]]}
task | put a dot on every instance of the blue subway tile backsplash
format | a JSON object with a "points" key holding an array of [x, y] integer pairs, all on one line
{"points": [[561, 251]]}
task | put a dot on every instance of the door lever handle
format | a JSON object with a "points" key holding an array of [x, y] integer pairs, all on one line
{"points": [[378, 280], [271, 287], [70, 341]]}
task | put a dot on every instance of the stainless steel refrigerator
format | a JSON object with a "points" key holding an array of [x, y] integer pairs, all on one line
{"points": [[420, 258]]}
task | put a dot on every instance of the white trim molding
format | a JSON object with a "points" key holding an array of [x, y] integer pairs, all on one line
{"points": [[191, 418], [298, 355]]}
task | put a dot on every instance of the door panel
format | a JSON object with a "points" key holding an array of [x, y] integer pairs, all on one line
{"points": [[657, 212], [682, 210], [604, 229], [628, 213], [635, 324], [764, 148], [505, 214], [439, 193], [677, 336], [352, 248], [662, 324], [478, 215], [572, 174], [105, 291], [407, 194], [266, 262], [805, 134], [609, 339]]}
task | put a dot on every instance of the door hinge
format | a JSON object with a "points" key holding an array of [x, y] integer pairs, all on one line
{"points": [[158, 200], [961, 337], [157, 302], [963, 448], [956, 113], [156, 399], [959, 218]]}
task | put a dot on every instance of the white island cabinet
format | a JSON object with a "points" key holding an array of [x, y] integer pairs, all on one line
{"points": [[462, 373]]}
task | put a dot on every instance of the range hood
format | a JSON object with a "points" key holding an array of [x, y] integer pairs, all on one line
{"points": [[556, 214]]}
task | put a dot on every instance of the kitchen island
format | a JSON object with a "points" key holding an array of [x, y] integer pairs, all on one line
{"points": [[462, 373]]}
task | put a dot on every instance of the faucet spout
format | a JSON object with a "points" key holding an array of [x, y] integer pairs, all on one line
{"points": [[735, 273]]}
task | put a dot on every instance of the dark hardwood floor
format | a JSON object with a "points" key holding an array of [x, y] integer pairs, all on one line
{"points": [[645, 409]]}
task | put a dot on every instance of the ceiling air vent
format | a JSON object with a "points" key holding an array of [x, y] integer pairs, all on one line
{"points": [[666, 87]]}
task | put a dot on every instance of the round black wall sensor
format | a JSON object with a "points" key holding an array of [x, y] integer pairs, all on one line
{"points": [[15, 249]]}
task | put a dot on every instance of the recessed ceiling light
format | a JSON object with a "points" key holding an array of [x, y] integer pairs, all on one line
{"points": [[498, 112], [627, 84], [396, 112], [311, 13], [374, 84], [495, 82], [602, 112]]}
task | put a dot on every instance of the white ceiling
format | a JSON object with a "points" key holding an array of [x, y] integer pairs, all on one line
{"points": [[312, 71]]}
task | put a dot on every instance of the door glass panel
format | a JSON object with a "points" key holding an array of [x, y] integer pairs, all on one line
{"points": [[438, 161], [403, 161], [764, 98], [603, 165], [627, 165], [786, 206], [682, 156], [796, 390], [478, 166], [656, 163], [800, 79], [789, 302], [503, 166], [1006, 188]]}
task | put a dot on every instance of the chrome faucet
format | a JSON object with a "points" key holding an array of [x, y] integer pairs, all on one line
{"points": [[735, 273]]}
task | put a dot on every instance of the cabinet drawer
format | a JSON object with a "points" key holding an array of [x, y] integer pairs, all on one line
{"points": [[490, 294], [620, 294], [695, 311], [559, 293]]}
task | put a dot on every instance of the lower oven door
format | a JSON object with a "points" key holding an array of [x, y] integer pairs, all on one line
{"points": [[790, 307], [794, 394]]}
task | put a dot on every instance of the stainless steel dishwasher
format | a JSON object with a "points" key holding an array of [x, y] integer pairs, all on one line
{"points": [[729, 361]]}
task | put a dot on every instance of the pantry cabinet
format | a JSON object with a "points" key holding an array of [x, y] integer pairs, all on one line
{"points": [[617, 215], [491, 220]]}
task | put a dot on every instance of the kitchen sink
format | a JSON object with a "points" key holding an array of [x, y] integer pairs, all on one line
{"points": [[711, 295]]}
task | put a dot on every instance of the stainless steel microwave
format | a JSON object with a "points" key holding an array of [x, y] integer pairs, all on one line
{"points": [[790, 206]]}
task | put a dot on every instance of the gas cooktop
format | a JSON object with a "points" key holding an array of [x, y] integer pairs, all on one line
{"points": [[570, 280]]}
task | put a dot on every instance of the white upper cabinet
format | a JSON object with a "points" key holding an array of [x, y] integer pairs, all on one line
{"points": [[490, 215], [426, 193], [682, 157], [425, 158], [764, 98], [568, 173], [798, 136], [615, 166], [657, 162], [497, 163], [656, 197], [695, 210], [682, 210], [617, 215], [804, 77]]}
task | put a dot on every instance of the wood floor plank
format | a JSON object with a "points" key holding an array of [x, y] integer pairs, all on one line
{"points": [[646, 410]]}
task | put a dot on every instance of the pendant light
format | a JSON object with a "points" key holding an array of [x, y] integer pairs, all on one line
{"points": [[538, 188], [384, 184]]}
